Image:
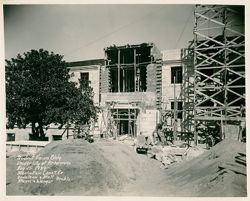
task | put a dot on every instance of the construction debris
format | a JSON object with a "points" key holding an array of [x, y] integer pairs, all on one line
{"points": [[175, 153], [123, 137], [193, 152]]}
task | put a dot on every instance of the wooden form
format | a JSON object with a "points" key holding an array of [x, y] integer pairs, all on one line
{"points": [[129, 116], [219, 63]]}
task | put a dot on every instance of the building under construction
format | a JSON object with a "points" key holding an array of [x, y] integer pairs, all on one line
{"points": [[130, 86], [188, 90]]}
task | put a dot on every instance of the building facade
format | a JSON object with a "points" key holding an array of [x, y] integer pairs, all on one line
{"points": [[136, 87]]}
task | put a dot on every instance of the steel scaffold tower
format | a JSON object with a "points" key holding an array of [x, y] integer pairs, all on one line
{"points": [[219, 63]]}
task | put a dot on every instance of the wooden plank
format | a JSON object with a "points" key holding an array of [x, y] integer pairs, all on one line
{"points": [[219, 118], [209, 38], [209, 97], [235, 168], [211, 18], [211, 77], [211, 57]]}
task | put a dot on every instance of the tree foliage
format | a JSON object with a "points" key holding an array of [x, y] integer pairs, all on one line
{"points": [[38, 92]]}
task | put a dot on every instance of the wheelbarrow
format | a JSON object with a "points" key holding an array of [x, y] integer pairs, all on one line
{"points": [[141, 144]]}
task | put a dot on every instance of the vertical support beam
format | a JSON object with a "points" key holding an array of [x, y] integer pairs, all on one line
{"points": [[118, 69], [134, 122], [129, 122], [175, 117], [123, 80], [106, 59], [183, 96], [118, 123], [225, 64], [126, 81], [195, 78], [135, 69]]}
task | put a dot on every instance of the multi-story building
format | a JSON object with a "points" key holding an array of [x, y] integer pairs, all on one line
{"points": [[89, 70], [134, 85]]}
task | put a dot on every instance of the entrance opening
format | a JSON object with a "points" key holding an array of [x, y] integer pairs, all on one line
{"points": [[126, 121], [124, 127]]}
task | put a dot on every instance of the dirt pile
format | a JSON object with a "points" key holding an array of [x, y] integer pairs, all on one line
{"points": [[216, 172], [113, 168], [96, 169]]}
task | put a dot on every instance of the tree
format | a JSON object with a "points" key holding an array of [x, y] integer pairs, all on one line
{"points": [[38, 92]]}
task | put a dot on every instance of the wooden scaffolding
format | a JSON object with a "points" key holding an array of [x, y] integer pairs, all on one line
{"points": [[219, 64], [187, 90]]}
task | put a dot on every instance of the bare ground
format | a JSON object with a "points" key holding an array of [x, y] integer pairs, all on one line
{"points": [[111, 169]]}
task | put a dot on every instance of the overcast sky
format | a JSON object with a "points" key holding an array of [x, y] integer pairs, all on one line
{"points": [[82, 31]]}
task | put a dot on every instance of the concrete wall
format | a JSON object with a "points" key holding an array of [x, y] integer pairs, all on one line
{"points": [[151, 78], [94, 75], [171, 58], [168, 88], [23, 134], [147, 99], [171, 55], [147, 122]]}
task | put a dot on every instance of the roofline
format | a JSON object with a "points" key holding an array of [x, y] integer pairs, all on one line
{"points": [[90, 62], [113, 47]]}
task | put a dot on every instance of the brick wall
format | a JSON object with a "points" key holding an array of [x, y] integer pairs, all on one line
{"points": [[151, 78], [104, 80], [154, 82]]}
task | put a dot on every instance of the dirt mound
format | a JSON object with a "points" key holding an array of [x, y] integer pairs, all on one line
{"points": [[214, 173], [96, 169], [113, 168]]}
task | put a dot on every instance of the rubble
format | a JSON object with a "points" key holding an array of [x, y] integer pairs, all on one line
{"points": [[176, 152], [123, 137], [193, 152]]}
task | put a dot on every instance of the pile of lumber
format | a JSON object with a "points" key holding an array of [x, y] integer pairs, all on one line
{"points": [[238, 165]]}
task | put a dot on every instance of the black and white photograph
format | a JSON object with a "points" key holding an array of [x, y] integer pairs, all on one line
{"points": [[129, 100]]}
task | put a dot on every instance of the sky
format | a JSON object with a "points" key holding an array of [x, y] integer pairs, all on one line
{"points": [[81, 32]]}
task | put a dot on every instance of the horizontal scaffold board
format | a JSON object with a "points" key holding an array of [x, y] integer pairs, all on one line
{"points": [[220, 118]]}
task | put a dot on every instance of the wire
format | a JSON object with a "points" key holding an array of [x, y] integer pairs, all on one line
{"points": [[112, 32], [184, 28]]}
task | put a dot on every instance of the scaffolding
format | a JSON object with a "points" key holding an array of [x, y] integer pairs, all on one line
{"points": [[187, 90], [219, 64]]}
